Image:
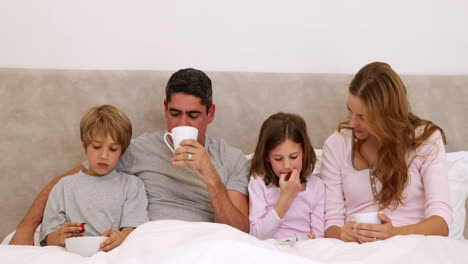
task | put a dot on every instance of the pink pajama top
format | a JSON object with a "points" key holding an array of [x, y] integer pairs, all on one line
{"points": [[304, 216], [349, 191]]}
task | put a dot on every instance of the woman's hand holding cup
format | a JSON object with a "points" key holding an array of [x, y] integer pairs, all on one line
{"points": [[371, 227]]}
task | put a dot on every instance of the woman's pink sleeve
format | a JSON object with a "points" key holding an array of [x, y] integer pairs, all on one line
{"points": [[434, 171]]}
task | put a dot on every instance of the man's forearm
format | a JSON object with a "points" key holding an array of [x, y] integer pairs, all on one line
{"points": [[224, 210], [24, 234]]}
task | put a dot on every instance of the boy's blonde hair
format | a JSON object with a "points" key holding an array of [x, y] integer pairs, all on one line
{"points": [[106, 119]]}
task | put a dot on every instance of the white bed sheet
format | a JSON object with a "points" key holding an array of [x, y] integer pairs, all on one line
{"points": [[188, 242]]}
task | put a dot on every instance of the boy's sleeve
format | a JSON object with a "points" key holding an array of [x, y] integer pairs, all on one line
{"points": [[135, 210], [54, 213]]}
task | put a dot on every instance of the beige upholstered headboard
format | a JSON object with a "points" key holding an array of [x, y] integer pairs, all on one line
{"points": [[41, 110]]}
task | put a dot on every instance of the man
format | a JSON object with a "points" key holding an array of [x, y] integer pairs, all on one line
{"points": [[203, 180]]}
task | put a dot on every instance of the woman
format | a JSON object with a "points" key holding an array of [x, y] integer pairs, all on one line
{"points": [[384, 158]]}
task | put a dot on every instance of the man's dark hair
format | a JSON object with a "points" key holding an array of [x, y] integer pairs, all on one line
{"points": [[193, 82]]}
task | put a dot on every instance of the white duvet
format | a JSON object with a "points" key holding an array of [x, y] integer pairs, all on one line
{"points": [[188, 242]]}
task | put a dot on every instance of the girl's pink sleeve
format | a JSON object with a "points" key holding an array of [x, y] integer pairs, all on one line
{"points": [[434, 171], [332, 160], [263, 222], [317, 221]]}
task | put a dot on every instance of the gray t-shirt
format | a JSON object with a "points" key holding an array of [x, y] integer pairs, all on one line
{"points": [[115, 199], [176, 192]]}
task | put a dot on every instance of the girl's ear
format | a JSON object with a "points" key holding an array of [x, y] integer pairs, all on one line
{"points": [[267, 159]]}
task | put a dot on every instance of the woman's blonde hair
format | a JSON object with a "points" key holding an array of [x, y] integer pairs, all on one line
{"points": [[106, 119], [390, 120], [275, 130]]}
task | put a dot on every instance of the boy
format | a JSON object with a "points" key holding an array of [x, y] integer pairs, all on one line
{"points": [[111, 203]]}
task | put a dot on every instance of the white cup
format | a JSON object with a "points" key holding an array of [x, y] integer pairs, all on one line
{"points": [[368, 218], [180, 133], [84, 246]]}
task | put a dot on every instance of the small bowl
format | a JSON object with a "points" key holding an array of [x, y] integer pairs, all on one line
{"points": [[84, 246]]}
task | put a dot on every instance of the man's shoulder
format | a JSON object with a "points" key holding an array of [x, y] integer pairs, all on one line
{"points": [[147, 143], [222, 147], [148, 138], [230, 163]]}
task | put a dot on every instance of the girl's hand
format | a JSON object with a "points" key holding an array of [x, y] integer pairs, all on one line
{"points": [[311, 235], [68, 229], [347, 233], [373, 232], [289, 190], [291, 187]]}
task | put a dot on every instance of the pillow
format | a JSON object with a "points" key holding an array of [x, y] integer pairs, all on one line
{"points": [[458, 190]]}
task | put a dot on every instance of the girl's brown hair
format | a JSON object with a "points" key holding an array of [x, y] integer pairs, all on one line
{"points": [[392, 123], [106, 119], [275, 130]]}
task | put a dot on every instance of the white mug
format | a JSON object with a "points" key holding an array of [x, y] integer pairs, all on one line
{"points": [[368, 218], [180, 133]]}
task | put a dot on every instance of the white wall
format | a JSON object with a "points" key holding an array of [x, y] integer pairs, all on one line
{"points": [[418, 37]]}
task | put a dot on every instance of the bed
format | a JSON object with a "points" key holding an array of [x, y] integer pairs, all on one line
{"points": [[40, 115]]}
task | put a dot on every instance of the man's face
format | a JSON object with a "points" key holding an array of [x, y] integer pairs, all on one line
{"points": [[187, 110]]}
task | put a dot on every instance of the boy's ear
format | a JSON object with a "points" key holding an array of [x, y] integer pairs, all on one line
{"points": [[84, 147]]}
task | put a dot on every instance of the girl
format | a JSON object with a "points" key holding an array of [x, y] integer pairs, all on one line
{"points": [[385, 159], [285, 199]]}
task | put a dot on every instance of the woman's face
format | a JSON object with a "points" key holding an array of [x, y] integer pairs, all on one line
{"points": [[357, 118]]}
